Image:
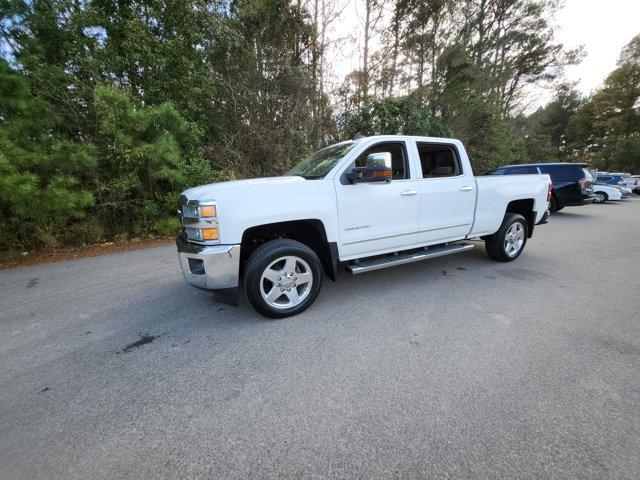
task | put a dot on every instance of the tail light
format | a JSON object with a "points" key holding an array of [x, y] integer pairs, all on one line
{"points": [[584, 183], [549, 191]]}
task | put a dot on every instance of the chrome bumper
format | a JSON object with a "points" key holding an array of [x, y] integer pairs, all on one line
{"points": [[211, 267]]}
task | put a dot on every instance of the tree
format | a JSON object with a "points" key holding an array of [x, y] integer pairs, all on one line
{"points": [[41, 169], [606, 129]]}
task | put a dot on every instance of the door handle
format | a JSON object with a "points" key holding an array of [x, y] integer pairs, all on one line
{"points": [[466, 188], [409, 192]]}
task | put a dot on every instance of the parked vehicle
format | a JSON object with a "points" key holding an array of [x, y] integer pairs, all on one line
{"points": [[636, 184], [603, 192], [364, 204], [629, 181], [626, 192], [572, 182], [616, 179]]}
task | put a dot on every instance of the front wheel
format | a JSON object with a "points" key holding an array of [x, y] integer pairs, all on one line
{"points": [[282, 278], [508, 242]]}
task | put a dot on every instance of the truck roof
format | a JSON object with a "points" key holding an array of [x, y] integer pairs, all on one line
{"points": [[360, 138], [544, 163]]}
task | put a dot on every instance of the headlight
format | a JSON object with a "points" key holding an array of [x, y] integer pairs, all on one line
{"points": [[200, 220]]}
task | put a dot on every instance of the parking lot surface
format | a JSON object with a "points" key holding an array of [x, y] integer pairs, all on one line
{"points": [[459, 367]]}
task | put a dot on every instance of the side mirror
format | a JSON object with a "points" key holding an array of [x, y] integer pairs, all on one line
{"points": [[377, 169]]}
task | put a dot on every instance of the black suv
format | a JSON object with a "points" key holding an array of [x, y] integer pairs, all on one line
{"points": [[572, 182]]}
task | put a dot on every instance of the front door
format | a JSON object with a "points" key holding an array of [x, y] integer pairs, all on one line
{"points": [[381, 216]]}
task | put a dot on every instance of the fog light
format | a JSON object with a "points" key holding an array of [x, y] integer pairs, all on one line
{"points": [[196, 266], [210, 233]]}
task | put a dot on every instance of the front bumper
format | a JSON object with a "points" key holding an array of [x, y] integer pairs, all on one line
{"points": [[210, 267]]}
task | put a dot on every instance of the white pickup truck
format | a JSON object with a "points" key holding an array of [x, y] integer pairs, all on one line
{"points": [[363, 204]]}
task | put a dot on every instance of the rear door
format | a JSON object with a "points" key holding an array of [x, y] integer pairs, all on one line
{"points": [[447, 193], [381, 216]]}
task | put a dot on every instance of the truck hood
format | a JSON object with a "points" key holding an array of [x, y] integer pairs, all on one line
{"points": [[211, 190]]}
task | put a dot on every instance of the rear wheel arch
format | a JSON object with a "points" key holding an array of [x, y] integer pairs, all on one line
{"points": [[523, 207]]}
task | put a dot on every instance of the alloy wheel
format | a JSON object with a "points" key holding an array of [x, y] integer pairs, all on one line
{"points": [[286, 282], [514, 239]]}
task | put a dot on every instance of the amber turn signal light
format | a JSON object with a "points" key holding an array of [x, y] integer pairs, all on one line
{"points": [[208, 211], [210, 233]]}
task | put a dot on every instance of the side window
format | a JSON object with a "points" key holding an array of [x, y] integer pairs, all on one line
{"points": [[438, 160], [398, 151], [521, 170]]}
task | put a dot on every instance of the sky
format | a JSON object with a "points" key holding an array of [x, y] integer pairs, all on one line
{"points": [[602, 27]]}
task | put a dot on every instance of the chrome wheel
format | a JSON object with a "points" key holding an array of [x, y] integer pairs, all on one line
{"points": [[286, 282], [599, 197], [514, 239]]}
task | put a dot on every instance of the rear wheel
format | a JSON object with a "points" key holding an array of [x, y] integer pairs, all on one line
{"points": [[282, 278], [508, 242], [600, 197]]}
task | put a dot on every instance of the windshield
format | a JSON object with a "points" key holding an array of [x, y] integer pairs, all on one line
{"points": [[321, 162]]}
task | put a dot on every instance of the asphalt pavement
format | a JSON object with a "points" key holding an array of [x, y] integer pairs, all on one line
{"points": [[459, 367]]}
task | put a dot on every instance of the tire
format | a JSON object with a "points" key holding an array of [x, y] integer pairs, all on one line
{"points": [[600, 197], [497, 245], [282, 264]]}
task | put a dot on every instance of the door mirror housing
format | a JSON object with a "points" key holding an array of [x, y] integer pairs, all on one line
{"points": [[377, 169]]}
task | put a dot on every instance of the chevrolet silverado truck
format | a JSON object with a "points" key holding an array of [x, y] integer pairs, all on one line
{"points": [[360, 205]]}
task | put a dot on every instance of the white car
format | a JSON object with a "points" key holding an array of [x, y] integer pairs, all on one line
{"points": [[364, 204], [604, 192]]}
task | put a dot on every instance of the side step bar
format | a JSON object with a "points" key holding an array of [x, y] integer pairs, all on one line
{"points": [[368, 265]]}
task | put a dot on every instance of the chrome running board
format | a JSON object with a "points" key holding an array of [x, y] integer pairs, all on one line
{"points": [[368, 265]]}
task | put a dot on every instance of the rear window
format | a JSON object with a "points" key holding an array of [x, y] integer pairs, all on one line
{"points": [[587, 173], [514, 171], [521, 170], [438, 160], [563, 173]]}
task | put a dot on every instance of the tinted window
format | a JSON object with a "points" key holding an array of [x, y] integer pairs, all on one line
{"points": [[398, 158], [438, 160], [521, 170], [562, 173]]}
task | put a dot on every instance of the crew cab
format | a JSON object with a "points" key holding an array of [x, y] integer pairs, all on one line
{"points": [[361, 205]]}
